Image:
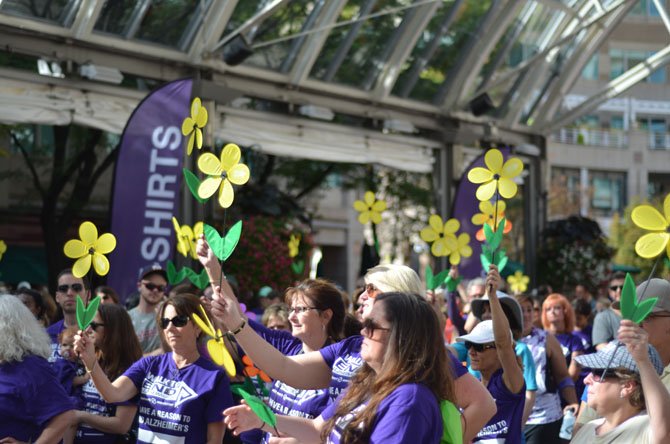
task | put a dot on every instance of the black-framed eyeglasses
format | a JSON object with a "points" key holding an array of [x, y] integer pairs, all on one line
{"points": [[65, 287], [479, 347], [371, 326], [616, 287], [177, 321], [94, 325], [151, 287], [299, 309], [371, 290], [104, 297]]}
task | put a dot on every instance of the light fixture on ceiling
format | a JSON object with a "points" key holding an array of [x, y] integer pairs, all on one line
{"points": [[49, 69], [101, 73], [399, 126], [481, 105], [317, 112]]}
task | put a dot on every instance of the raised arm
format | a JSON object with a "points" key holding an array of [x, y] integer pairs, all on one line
{"points": [[477, 403], [122, 389], [241, 419], [119, 423], [55, 428], [512, 373], [559, 370], [656, 395]]}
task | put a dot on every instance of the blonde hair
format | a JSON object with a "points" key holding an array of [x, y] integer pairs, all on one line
{"points": [[21, 334], [394, 277]]}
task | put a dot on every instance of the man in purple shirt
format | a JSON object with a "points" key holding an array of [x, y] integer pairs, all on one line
{"points": [[66, 296]]}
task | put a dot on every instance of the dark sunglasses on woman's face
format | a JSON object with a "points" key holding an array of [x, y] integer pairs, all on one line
{"points": [[479, 347], [152, 287], [371, 326], [95, 325], [65, 287], [177, 321]]}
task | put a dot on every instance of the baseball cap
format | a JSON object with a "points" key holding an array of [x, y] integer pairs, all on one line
{"points": [[510, 306], [152, 269], [481, 334], [657, 288], [620, 357]]}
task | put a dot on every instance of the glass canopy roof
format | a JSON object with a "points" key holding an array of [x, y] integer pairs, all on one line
{"points": [[436, 57]]}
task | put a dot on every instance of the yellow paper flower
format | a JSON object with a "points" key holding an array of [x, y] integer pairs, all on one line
{"points": [[193, 125], [187, 237], [90, 248], [3, 248], [222, 174], [370, 208], [649, 218], [197, 232], [294, 245], [462, 249], [443, 236], [518, 282], [497, 176], [487, 216]]}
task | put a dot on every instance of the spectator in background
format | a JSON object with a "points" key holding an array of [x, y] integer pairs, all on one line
{"points": [[152, 284], [584, 294], [67, 290], [107, 295], [33, 300], [33, 405], [275, 317], [584, 323], [606, 323]]}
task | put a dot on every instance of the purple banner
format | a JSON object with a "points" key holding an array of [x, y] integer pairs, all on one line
{"points": [[146, 184], [465, 206]]}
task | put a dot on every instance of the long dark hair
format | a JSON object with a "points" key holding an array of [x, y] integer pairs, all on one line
{"points": [[120, 347], [415, 353], [325, 296]]}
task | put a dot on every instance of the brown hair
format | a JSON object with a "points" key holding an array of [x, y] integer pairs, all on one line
{"points": [[184, 304], [568, 312], [69, 332], [107, 291], [325, 296], [636, 398], [415, 353], [120, 347]]}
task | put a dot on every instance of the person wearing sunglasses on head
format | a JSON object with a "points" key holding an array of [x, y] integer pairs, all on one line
{"points": [[334, 366], [625, 389], [116, 348], [151, 286], [491, 348], [395, 396], [67, 288], [107, 295], [606, 322], [181, 393]]}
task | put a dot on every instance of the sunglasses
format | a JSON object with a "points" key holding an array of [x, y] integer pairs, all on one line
{"points": [[597, 376], [177, 321], [616, 287], [152, 287], [298, 309], [371, 290], [371, 326], [95, 325], [65, 287], [479, 347]]}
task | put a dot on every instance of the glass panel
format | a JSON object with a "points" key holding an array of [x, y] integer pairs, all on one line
{"points": [[364, 42], [590, 71], [288, 20], [608, 192], [438, 49], [616, 122], [60, 12], [167, 22]]}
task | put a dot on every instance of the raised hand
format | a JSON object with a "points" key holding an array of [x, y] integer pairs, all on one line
{"points": [[635, 338], [83, 346], [241, 419], [493, 279]]}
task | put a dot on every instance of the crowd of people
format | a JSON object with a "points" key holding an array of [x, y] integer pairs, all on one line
{"points": [[390, 363]]}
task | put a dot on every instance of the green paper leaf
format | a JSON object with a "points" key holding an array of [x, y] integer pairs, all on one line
{"points": [[452, 432], [193, 183], [175, 277], [441, 278], [298, 267], [451, 283], [256, 405], [430, 278], [199, 280], [224, 246], [86, 314], [487, 250], [488, 233], [643, 309], [628, 303], [502, 260], [501, 227], [485, 262], [260, 383]]}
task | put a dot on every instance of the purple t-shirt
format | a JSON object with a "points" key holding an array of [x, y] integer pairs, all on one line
{"points": [[66, 371], [95, 405], [176, 405], [409, 415], [54, 330], [30, 396], [505, 426]]}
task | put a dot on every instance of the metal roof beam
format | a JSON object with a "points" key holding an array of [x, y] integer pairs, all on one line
{"points": [[407, 35], [660, 7], [211, 29], [614, 88], [86, 18], [253, 21], [311, 48]]}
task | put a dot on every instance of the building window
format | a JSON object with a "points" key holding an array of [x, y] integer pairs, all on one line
{"points": [[608, 192], [645, 8], [657, 128], [621, 60], [616, 122], [658, 185], [590, 71], [564, 192]]}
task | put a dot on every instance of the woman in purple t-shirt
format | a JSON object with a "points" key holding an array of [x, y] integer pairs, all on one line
{"points": [[181, 394], [395, 396], [117, 348], [558, 318]]}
